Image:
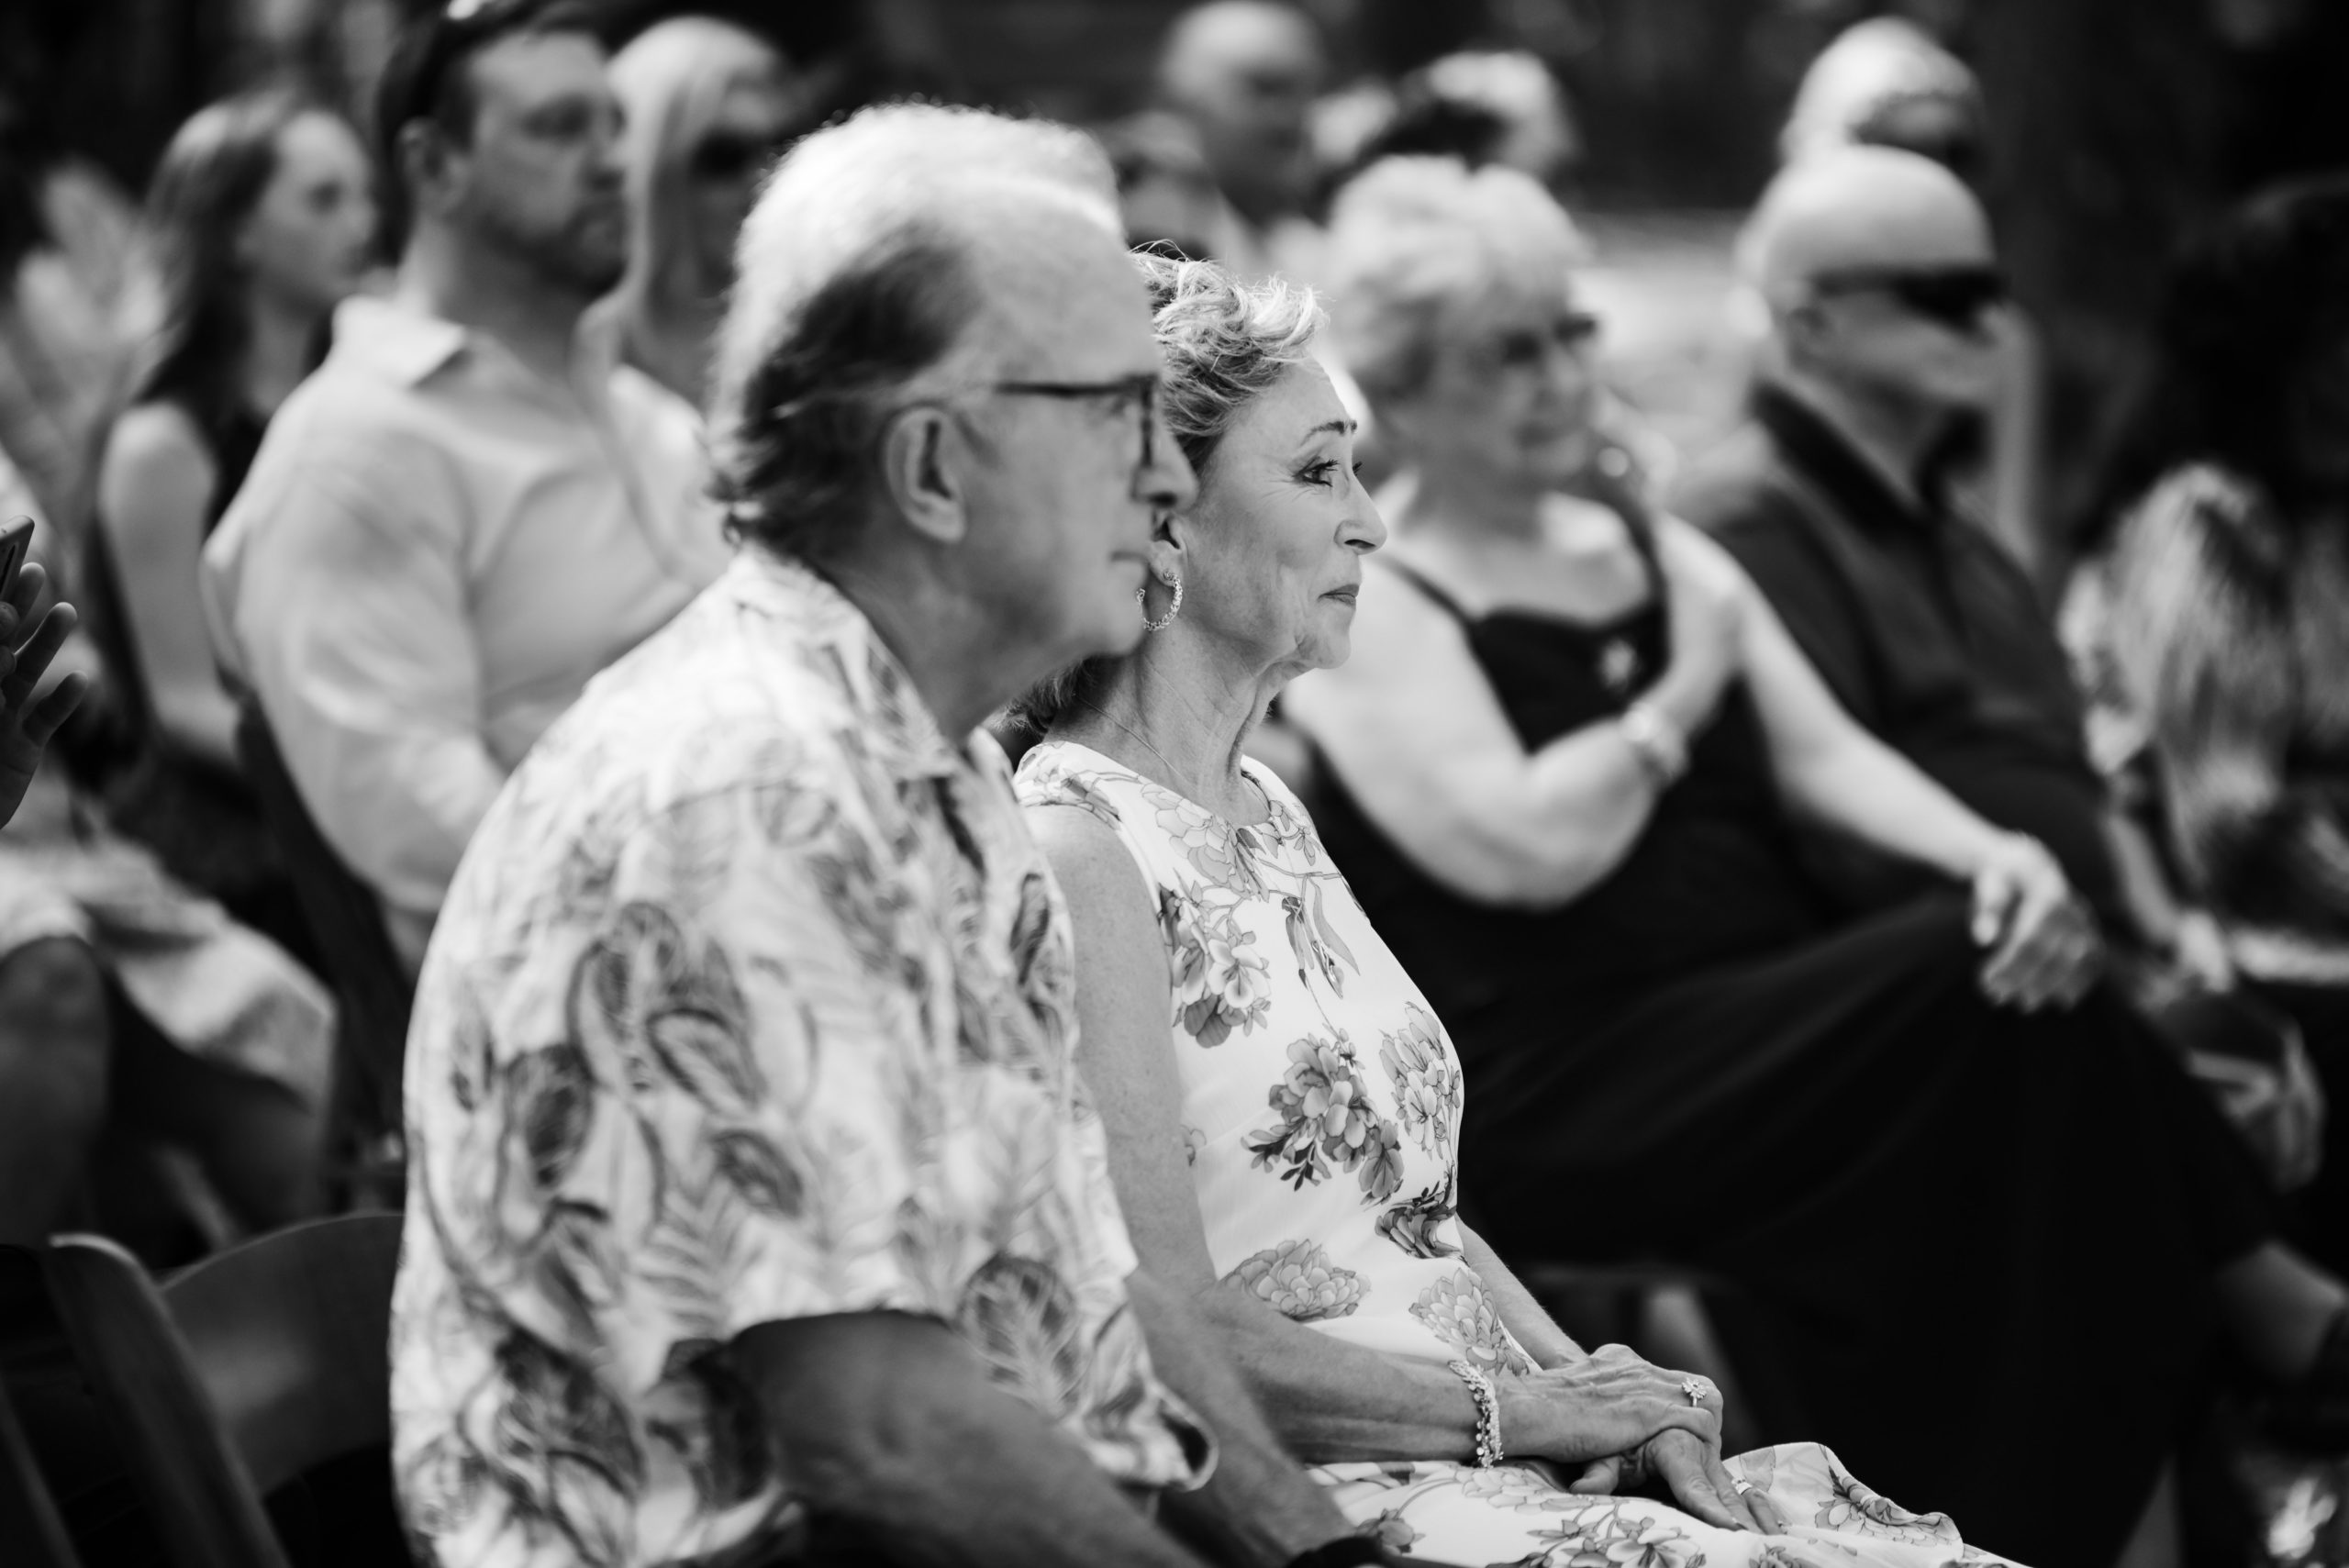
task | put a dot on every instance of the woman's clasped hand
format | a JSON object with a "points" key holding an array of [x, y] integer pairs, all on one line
{"points": [[1632, 1425]]}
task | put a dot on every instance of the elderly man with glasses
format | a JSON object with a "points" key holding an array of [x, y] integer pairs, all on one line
{"points": [[756, 1213]]}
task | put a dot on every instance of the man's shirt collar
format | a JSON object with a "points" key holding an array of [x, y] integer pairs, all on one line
{"points": [[393, 339], [897, 727], [1827, 457]]}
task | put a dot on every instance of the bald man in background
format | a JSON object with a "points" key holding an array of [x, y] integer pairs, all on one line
{"points": [[1882, 285], [1242, 75]]}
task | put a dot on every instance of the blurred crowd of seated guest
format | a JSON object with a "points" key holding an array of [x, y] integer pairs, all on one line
{"points": [[1786, 926], [473, 505]]}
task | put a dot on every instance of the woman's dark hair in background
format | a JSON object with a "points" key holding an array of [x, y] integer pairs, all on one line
{"points": [[211, 178], [2251, 369]]}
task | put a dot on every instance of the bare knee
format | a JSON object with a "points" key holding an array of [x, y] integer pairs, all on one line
{"points": [[53, 1029]]}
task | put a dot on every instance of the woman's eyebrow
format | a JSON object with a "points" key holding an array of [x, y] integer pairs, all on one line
{"points": [[1332, 427]]}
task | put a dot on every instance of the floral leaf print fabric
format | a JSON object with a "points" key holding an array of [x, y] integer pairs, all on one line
{"points": [[1422, 1227], [1327, 1120], [752, 1000], [1298, 1281], [1219, 981]]}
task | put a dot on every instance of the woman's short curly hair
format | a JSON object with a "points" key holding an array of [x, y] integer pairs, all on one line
{"points": [[1412, 238], [1224, 344]]}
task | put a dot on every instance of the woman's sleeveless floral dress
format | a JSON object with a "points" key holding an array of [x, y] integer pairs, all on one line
{"points": [[1321, 1104]]}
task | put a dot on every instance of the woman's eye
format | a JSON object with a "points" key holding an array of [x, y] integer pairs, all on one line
{"points": [[1320, 473]]}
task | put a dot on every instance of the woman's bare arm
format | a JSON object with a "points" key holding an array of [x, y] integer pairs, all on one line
{"points": [[1412, 724], [153, 486], [1520, 1314]]}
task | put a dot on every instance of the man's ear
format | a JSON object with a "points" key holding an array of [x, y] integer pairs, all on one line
{"points": [[922, 454], [426, 161], [1805, 331]]}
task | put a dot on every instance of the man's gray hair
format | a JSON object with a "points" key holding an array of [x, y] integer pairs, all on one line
{"points": [[854, 286]]}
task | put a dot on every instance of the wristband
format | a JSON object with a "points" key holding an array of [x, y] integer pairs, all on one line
{"points": [[1656, 742], [1488, 1412], [1346, 1551]]}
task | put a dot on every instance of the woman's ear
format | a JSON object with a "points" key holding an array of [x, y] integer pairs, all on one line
{"points": [[1168, 550], [921, 449]]}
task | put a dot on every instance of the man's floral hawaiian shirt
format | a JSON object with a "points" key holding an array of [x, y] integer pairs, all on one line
{"points": [[752, 1000]]}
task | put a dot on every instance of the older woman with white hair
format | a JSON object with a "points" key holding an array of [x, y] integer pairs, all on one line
{"points": [[1284, 1107], [1568, 766], [708, 106]]}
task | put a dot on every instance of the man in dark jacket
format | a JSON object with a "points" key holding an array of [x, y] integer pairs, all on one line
{"points": [[1882, 285]]}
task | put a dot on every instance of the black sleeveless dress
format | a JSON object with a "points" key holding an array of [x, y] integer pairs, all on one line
{"points": [[1969, 1249]]}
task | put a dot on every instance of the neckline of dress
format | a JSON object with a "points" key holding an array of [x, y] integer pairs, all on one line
{"points": [[1249, 765]]}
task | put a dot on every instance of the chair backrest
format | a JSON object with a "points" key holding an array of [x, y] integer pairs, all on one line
{"points": [[208, 1511], [291, 1337], [243, 1373], [369, 979], [29, 1519]]}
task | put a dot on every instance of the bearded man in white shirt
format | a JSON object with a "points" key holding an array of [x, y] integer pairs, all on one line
{"points": [[472, 506]]}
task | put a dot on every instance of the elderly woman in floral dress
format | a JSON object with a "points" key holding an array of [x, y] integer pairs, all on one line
{"points": [[1283, 1107]]}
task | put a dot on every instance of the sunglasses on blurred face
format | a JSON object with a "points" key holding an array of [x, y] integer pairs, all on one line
{"points": [[729, 155], [1956, 298]]}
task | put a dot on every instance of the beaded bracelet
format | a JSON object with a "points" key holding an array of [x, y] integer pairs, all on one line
{"points": [[1488, 1412]]}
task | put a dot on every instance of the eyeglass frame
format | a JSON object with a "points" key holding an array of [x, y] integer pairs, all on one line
{"points": [[1144, 387]]}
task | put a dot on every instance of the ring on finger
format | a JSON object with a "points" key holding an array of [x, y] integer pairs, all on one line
{"points": [[1740, 1485], [1697, 1388]]}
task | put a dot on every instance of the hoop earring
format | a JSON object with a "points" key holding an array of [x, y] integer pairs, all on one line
{"points": [[1174, 608]]}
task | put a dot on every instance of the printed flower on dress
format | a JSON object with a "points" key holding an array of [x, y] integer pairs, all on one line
{"points": [[1856, 1509], [1458, 1310], [1217, 851], [1427, 1081], [1325, 1117], [1300, 1282], [1417, 1226], [1220, 985], [1604, 1533]]}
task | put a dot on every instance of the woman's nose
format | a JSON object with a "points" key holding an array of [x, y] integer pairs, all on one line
{"points": [[1365, 530]]}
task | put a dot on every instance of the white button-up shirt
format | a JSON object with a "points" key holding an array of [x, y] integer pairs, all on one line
{"points": [[434, 551]]}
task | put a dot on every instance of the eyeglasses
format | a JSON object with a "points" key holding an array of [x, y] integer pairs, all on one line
{"points": [[1953, 296], [1142, 389], [1524, 348]]}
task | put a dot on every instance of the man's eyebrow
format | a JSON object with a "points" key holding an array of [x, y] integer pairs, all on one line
{"points": [[1334, 427]]}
